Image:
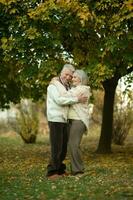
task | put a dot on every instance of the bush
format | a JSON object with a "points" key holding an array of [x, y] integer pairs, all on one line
{"points": [[98, 96], [3, 126], [26, 122], [122, 124], [123, 117]]}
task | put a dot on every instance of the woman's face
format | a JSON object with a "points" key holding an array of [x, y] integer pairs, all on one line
{"points": [[76, 80]]}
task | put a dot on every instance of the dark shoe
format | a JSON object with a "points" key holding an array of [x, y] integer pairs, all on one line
{"points": [[62, 169]]}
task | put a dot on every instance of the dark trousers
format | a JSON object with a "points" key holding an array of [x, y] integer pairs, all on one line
{"points": [[58, 140]]}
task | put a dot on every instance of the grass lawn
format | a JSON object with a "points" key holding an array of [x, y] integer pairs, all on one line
{"points": [[23, 168]]}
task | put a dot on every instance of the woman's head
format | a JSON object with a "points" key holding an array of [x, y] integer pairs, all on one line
{"points": [[79, 78]]}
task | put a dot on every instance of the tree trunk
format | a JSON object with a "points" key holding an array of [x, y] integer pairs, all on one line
{"points": [[107, 116]]}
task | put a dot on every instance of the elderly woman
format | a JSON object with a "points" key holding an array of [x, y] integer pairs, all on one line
{"points": [[79, 120]]}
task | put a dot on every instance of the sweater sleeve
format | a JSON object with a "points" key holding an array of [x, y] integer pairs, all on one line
{"points": [[66, 99], [81, 89]]}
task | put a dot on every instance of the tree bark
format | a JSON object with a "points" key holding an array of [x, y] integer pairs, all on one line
{"points": [[104, 145]]}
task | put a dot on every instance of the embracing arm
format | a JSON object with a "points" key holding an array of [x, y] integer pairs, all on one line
{"points": [[61, 99], [80, 90]]}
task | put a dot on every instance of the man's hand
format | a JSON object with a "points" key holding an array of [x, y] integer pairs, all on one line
{"points": [[82, 98]]}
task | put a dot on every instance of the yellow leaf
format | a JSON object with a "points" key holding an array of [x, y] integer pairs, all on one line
{"points": [[129, 5], [4, 40], [13, 11]]}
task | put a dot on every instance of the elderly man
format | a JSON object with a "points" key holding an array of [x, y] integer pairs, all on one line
{"points": [[57, 111]]}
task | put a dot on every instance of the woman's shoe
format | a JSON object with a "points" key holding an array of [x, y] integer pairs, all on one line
{"points": [[65, 174], [80, 173]]}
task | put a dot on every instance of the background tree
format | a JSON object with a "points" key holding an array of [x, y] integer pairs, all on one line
{"points": [[28, 52], [8, 68]]}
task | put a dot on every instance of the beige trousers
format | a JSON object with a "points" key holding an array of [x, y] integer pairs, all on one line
{"points": [[77, 129]]}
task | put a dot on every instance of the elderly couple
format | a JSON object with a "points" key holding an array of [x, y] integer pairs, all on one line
{"points": [[68, 119]]}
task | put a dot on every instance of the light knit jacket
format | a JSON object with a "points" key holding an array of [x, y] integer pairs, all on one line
{"points": [[58, 100], [82, 111], [57, 104]]}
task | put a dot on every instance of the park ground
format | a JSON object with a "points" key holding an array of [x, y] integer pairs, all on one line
{"points": [[23, 168]]}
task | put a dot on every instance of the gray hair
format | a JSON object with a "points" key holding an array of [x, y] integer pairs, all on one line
{"points": [[82, 75], [68, 67]]}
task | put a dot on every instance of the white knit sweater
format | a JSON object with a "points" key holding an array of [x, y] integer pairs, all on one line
{"points": [[57, 103], [80, 110]]}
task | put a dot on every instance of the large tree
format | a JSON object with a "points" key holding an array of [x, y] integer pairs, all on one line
{"points": [[97, 35], [116, 32]]}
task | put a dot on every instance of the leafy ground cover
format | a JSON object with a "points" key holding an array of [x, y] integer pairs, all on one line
{"points": [[23, 167]]}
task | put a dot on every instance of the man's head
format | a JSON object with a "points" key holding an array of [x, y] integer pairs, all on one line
{"points": [[67, 73]]}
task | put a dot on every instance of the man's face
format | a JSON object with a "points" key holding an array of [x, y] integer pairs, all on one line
{"points": [[66, 75]]}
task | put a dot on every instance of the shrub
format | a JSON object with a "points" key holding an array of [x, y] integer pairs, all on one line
{"points": [[3, 126], [98, 96], [122, 124], [123, 117], [26, 122]]}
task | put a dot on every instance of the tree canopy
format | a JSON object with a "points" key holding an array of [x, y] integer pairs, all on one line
{"points": [[37, 37]]}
